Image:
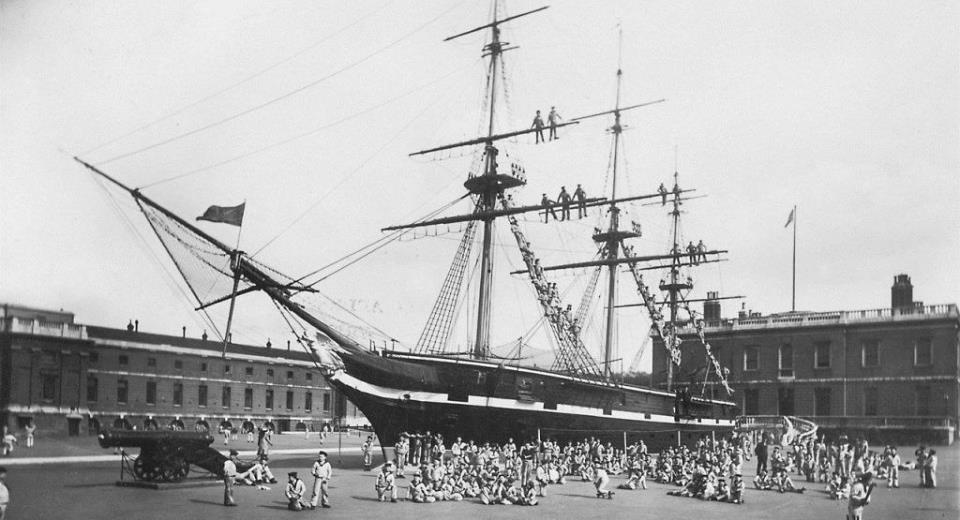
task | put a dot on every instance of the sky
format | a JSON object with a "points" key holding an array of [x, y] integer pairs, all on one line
{"points": [[307, 111]]}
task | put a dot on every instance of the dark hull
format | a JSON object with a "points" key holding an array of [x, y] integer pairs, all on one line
{"points": [[484, 401]]}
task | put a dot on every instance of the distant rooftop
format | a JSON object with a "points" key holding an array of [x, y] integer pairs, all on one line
{"points": [[20, 319], [817, 319]]}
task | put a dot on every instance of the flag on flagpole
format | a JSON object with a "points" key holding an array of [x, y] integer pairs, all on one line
{"points": [[790, 217], [224, 214]]}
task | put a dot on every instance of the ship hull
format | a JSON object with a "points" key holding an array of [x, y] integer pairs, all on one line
{"points": [[487, 402]]}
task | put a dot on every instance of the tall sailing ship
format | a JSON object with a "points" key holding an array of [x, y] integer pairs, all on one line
{"points": [[477, 394]]}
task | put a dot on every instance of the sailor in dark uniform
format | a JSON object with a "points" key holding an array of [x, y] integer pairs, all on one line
{"points": [[547, 209], [564, 198], [581, 197], [538, 124]]}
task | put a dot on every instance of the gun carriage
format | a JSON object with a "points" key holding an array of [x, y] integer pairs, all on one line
{"points": [[166, 456]]}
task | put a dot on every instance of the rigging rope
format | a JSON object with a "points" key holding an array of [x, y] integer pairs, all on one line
{"points": [[241, 82], [281, 97], [308, 133], [170, 278]]}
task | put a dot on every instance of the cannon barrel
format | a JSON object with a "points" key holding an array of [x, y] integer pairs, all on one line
{"points": [[152, 438]]}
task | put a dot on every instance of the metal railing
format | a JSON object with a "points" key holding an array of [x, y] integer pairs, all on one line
{"points": [[42, 328], [869, 421], [887, 314]]}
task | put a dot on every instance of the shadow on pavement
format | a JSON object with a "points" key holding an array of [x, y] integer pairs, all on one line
{"points": [[208, 502]]}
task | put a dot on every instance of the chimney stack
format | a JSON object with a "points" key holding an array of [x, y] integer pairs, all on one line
{"points": [[711, 308], [901, 294]]}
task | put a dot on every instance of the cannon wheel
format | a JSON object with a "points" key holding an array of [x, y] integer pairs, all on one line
{"points": [[147, 468], [174, 468]]}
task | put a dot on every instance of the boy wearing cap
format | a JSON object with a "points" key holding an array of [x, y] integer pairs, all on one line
{"points": [[736, 489], [385, 483], [860, 496], [294, 492], [229, 478], [367, 450], [322, 472]]}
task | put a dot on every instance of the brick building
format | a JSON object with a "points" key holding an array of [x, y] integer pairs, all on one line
{"points": [[895, 368], [71, 378]]}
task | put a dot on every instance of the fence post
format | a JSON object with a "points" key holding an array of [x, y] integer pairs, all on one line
{"points": [[678, 438], [538, 435], [624, 441]]}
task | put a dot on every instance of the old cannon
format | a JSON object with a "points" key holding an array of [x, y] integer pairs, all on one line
{"points": [[166, 455]]}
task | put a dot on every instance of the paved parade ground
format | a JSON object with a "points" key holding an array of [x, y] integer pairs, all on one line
{"points": [[81, 490]]}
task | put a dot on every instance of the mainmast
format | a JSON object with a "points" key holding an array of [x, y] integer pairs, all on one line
{"points": [[490, 184], [488, 200]]}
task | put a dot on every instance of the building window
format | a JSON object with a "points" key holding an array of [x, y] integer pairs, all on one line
{"points": [[751, 358], [922, 353], [151, 362], [122, 391], [203, 367], [308, 401], [248, 371], [751, 401], [151, 392], [870, 354], [225, 397], [309, 376], [923, 400], [248, 398], [289, 399], [178, 394], [785, 401], [202, 395], [289, 375], [178, 364], [269, 372], [821, 401], [786, 361], [93, 388], [124, 360], [94, 357], [268, 400], [821, 355], [870, 400], [48, 386], [226, 369], [326, 401]]}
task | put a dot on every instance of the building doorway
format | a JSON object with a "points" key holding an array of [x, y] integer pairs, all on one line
{"points": [[73, 427]]}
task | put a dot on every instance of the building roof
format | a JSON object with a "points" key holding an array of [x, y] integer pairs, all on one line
{"points": [[919, 313], [204, 346]]}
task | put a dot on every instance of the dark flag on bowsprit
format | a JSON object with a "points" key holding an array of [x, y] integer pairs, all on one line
{"points": [[232, 215]]}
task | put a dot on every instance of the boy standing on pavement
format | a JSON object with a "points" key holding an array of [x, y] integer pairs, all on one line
{"points": [[322, 471], [229, 478]]}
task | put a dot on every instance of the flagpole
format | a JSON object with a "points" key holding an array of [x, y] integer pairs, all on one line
{"points": [[240, 227], [793, 299], [235, 264]]}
